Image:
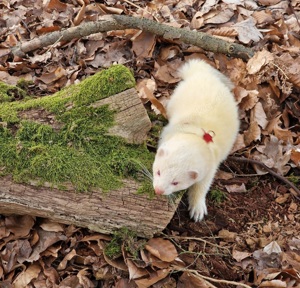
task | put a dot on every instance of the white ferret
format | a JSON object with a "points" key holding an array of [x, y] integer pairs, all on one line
{"points": [[203, 125]]}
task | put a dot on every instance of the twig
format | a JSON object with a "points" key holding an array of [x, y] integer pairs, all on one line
{"points": [[53, 44], [131, 3], [200, 39], [106, 23], [280, 69], [121, 22], [272, 172], [195, 272], [197, 239]]}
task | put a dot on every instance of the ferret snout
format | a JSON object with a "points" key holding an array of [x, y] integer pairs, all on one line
{"points": [[158, 191]]}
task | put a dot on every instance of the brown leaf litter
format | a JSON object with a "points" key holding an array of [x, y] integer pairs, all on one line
{"points": [[252, 235]]}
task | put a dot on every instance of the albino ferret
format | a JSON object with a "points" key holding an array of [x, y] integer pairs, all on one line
{"points": [[203, 125]]}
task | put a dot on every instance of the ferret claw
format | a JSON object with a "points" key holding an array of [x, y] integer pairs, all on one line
{"points": [[198, 211]]}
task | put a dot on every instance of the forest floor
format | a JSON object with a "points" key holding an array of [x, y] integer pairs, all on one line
{"points": [[251, 235]]}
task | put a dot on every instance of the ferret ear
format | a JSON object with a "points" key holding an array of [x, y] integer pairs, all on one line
{"points": [[160, 152], [193, 174]]}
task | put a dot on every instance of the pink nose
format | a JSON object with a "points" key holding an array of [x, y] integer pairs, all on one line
{"points": [[158, 191]]}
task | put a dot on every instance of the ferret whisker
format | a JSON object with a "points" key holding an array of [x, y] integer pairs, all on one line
{"points": [[147, 174], [144, 170]]}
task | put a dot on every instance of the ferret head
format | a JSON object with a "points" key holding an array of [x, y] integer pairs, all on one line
{"points": [[177, 167]]}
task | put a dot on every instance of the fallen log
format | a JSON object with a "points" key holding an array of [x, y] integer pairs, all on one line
{"points": [[76, 157]]}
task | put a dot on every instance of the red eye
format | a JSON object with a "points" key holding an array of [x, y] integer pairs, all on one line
{"points": [[174, 183], [158, 173]]}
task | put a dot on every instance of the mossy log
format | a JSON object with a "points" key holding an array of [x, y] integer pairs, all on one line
{"points": [[76, 157]]}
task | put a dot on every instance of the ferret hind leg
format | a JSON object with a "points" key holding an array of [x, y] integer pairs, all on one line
{"points": [[197, 194]]}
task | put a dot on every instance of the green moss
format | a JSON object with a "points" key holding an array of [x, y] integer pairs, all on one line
{"points": [[147, 188], [10, 93], [217, 196], [71, 143], [25, 86], [294, 179], [106, 83], [126, 238]]}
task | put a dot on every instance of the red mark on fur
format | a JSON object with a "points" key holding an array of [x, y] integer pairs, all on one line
{"points": [[208, 136]]}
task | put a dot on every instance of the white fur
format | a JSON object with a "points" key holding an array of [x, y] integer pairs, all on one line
{"points": [[201, 103]]}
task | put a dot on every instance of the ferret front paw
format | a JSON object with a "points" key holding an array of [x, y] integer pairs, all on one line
{"points": [[198, 210]]}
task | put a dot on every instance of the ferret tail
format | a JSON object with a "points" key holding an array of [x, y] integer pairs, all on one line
{"points": [[195, 66]]}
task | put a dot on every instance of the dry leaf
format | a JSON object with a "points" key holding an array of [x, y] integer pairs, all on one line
{"points": [[274, 126], [239, 143], [155, 102], [283, 198], [135, 272], [274, 284], [111, 10], [252, 134], [227, 32], [56, 5], [225, 234], [295, 156], [20, 226], [248, 101], [260, 59], [153, 278], [48, 225], [143, 45], [197, 21], [48, 78], [170, 52], [46, 239], [25, 277], [240, 255], [272, 247], [189, 280], [263, 17], [117, 263], [150, 86], [259, 115], [235, 188], [272, 155], [167, 73], [162, 249], [63, 264], [223, 16], [247, 31], [80, 15], [207, 6], [83, 277], [223, 175], [268, 2]]}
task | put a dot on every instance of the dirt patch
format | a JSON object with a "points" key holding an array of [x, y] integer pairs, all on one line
{"points": [[246, 222]]}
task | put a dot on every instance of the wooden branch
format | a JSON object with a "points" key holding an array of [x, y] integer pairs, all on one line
{"points": [[106, 23], [121, 22], [269, 170], [202, 40]]}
